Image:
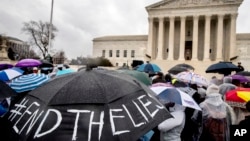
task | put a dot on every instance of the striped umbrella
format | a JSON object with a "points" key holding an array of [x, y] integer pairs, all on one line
{"points": [[8, 74], [28, 82]]}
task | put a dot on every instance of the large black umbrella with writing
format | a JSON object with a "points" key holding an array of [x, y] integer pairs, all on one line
{"points": [[88, 105]]}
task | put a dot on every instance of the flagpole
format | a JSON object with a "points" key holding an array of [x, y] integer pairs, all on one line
{"points": [[50, 25]]}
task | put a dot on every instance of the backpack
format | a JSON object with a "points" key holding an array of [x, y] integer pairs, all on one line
{"points": [[216, 128], [216, 125]]}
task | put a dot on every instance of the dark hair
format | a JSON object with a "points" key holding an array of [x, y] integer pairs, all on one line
{"points": [[168, 78]]}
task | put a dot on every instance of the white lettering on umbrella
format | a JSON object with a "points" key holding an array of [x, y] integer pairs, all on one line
{"points": [[145, 105], [76, 120], [26, 111], [112, 117], [101, 123], [33, 118], [145, 117], [19, 107], [129, 115], [59, 119]]}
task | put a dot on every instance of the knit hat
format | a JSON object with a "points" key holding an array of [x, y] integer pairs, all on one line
{"points": [[212, 89]]}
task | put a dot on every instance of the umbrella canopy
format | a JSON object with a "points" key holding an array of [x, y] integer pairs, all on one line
{"points": [[232, 97], [5, 94], [28, 82], [166, 94], [162, 84], [6, 91], [192, 78], [180, 68], [222, 68], [28, 63], [64, 71], [149, 68], [46, 64], [241, 78], [87, 105], [5, 66], [244, 94], [8, 74], [141, 76], [244, 73], [188, 90]]}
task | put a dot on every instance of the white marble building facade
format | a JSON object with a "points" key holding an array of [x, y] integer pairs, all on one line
{"points": [[196, 32]]}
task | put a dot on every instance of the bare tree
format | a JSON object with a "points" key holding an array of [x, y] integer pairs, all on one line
{"points": [[39, 34]]}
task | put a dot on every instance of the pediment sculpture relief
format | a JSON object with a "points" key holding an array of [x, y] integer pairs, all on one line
{"points": [[192, 3]]}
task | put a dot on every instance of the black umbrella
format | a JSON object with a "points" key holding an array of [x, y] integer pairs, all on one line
{"points": [[222, 68], [6, 91], [46, 64], [180, 68], [87, 105]]}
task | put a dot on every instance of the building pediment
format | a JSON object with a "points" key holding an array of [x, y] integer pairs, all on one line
{"points": [[191, 3]]}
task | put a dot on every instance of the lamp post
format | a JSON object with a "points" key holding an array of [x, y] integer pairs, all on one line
{"points": [[50, 25]]}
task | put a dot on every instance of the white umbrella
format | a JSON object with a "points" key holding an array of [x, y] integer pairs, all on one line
{"points": [[166, 94]]}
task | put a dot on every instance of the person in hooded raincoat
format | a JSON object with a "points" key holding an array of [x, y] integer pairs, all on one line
{"points": [[226, 86], [213, 107]]}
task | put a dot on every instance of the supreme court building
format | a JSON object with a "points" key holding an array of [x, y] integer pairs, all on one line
{"points": [[196, 32]]}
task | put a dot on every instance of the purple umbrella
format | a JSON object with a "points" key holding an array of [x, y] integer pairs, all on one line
{"points": [[240, 77], [5, 66], [28, 63]]}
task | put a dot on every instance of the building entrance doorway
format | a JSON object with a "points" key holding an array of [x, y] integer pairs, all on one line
{"points": [[188, 50]]}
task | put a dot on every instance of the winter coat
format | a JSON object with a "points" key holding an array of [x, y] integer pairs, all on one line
{"points": [[171, 128]]}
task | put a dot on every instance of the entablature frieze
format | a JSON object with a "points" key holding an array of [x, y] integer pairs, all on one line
{"points": [[232, 10]]}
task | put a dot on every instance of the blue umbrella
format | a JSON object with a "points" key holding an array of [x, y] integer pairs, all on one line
{"points": [[28, 82], [64, 71], [149, 68], [8, 74]]}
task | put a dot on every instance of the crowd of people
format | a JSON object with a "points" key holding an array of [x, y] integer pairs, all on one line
{"points": [[212, 123]]}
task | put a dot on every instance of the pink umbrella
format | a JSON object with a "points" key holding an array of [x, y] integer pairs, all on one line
{"points": [[28, 63], [241, 78]]}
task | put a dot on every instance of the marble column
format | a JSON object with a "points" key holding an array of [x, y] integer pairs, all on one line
{"points": [[195, 37], [171, 38], [232, 50], [207, 37], [182, 38], [150, 37], [160, 39], [219, 37]]}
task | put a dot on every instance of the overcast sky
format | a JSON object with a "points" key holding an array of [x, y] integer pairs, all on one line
{"points": [[79, 21]]}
